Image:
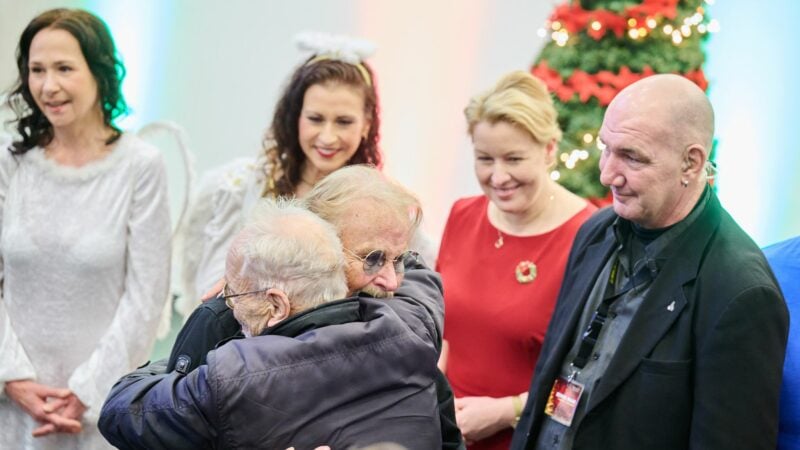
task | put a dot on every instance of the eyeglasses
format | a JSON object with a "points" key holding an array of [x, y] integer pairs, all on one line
{"points": [[375, 260], [227, 297]]}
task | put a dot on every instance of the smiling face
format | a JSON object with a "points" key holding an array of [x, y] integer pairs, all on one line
{"points": [[511, 167], [331, 126], [61, 82]]}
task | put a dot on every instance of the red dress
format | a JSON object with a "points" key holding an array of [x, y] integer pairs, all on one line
{"points": [[495, 324]]}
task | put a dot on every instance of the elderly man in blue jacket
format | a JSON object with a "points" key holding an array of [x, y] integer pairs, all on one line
{"points": [[315, 371]]}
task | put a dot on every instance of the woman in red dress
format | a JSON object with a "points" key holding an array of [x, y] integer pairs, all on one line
{"points": [[502, 257]]}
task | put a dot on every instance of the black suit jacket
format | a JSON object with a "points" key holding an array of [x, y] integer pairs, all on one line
{"points": [[700, 364]]}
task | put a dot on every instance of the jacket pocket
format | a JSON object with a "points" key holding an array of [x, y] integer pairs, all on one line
{"points": [[665, 368], [662, 406]]}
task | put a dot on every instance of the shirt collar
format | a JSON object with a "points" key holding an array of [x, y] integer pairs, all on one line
{"points": [[654, 249]]}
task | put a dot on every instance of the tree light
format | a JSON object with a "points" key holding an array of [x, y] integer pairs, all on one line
{"points": [[561, 38]]}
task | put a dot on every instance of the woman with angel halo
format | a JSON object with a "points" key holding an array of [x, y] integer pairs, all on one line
{"points": [[326, 118]]}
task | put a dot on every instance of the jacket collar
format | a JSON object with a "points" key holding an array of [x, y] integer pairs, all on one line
{"points": [[664, 301], [333, 313]]}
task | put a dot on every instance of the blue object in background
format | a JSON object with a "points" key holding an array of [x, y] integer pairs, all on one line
{"points": [[784, 257]]}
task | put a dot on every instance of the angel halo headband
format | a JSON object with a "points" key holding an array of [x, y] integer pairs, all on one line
{"points": [[337, 48]]}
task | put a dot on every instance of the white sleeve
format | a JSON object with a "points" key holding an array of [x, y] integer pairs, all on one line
{"points": [[192, 239], [425, 246], [215, 216], [14, 362], [129, 339]]}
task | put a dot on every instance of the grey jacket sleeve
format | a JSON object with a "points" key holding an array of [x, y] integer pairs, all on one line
{"points": [[149, 409], [422, 286]]}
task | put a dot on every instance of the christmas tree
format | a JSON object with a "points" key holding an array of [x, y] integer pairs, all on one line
{"points": [[596, 48]]}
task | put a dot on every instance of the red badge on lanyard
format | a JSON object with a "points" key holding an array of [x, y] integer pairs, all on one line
{"points": [[563, 400]]}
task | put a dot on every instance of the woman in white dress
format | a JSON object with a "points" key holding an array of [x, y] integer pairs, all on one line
{"points": [[84, 237]]}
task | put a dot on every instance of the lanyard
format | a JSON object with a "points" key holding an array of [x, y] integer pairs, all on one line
{"points": [[589, 337]]}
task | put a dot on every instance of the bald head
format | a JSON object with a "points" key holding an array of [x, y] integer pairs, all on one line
{"points": [[658, 134], [684, 112]]}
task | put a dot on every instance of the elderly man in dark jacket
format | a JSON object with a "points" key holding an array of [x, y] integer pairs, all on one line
{"points": [[366, 208], [349, 372]]}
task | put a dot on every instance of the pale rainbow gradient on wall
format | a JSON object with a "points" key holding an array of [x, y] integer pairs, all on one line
{"points": [[140, 33], [753, 68], [444, 52]]}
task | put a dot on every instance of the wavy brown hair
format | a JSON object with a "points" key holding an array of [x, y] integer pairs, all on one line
{"points": [[100, 53], [284, 132]]}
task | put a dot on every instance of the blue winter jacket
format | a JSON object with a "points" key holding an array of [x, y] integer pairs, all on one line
{"points": [[349, 373]]}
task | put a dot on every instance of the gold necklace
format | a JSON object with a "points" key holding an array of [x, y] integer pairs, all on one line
{"points": [[499, 242], [526, 271]]}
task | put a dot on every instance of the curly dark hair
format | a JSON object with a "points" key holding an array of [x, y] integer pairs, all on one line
{"points": [[284, 132], [97, 47]]}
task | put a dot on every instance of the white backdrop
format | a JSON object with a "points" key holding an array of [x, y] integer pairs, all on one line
{"points": [[217, 66]]}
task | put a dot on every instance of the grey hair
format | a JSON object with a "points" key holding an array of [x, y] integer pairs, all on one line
{"points": [[330, 197], [287, 247]]}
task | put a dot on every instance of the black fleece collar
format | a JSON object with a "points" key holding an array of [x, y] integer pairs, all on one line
{"points": [[333, 313]]}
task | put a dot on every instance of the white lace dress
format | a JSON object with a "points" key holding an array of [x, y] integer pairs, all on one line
{"points": [[84, 267]]}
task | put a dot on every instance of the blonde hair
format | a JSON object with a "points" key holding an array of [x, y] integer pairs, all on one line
{"points": [[519, 99], [331, 196]]}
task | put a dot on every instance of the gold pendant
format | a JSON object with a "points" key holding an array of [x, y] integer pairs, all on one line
{"points": [[525, 272], [499, 242]]}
